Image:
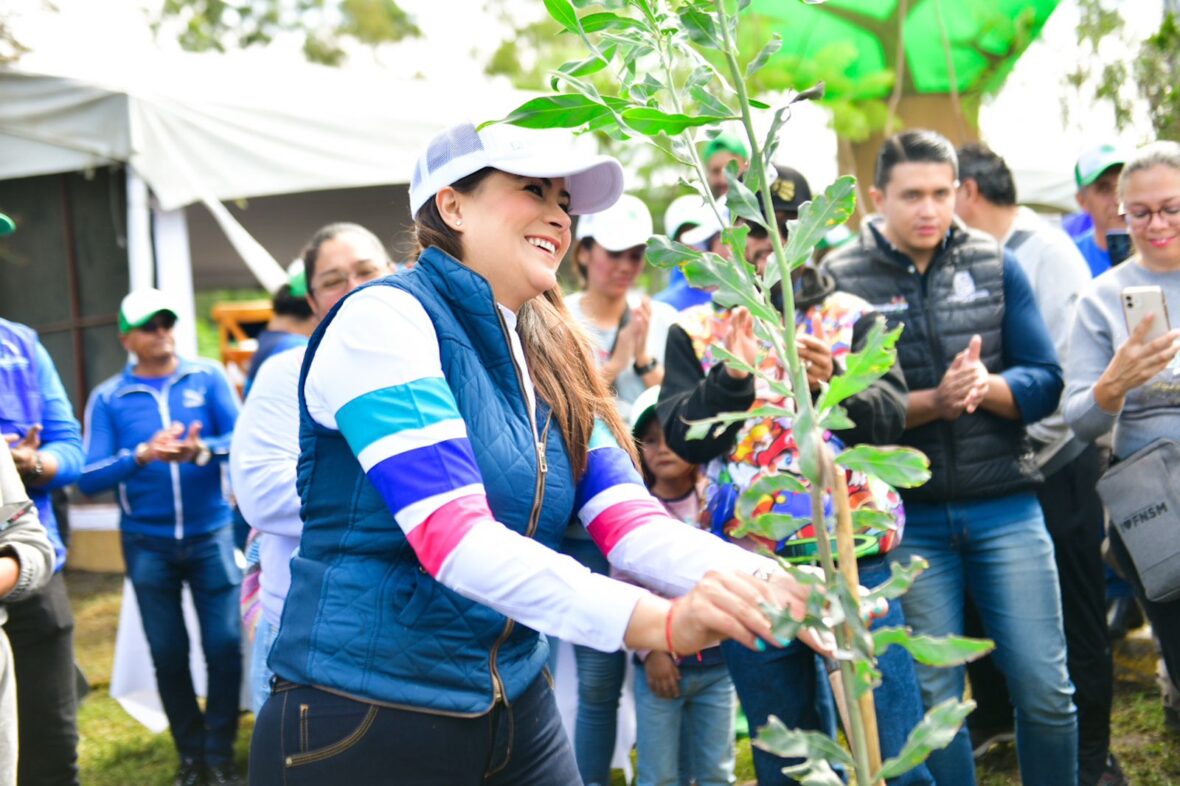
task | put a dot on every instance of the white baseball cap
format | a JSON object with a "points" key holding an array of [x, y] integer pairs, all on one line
{"points": [[594, 182], [625, 224], [687, 209], [707, 226], [138, 308]]}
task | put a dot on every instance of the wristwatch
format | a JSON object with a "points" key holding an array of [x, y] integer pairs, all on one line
{"points": [[203, 454], [645, 370]]}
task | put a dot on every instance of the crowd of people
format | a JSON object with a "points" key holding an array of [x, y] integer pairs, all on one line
{"points": [[444, 468]]}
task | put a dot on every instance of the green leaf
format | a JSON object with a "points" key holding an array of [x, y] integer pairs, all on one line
{"points": [[758, 104], [665, 253], [808, 438], [899, 467], [863, 368], [700, 76], [591, 65], [700, 26], [815, 772], [773, 526], [735, 239], [768, 485], [866, 676], [934, 732], [816, 217], [933, 650], [900, 580], [835, 419], [777, 739], [708, 104], [558, 111], [867, 518], [605, 20], [651, 122], [564, 14], [741, 200], [732, 360], [772, 46]]}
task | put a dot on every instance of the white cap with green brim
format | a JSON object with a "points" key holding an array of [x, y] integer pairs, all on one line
{"points": [[643, 408], [594, 182], [1094, 162], [138, 308]]}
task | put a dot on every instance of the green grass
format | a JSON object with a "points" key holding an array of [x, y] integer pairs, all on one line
{"points": [[115, 750]]}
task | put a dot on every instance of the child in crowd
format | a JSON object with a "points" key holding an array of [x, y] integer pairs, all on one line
{"points": [[684, 705]]}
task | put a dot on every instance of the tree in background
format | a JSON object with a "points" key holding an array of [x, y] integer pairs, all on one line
{"points": [[1150, 76], [218, 25]]}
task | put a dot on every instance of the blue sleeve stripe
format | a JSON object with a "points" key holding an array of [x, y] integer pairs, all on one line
{"points": [[379, 413], [605, 467], [425, 472]]}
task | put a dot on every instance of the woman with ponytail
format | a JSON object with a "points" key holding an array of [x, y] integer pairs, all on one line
{"points": [[452, 424]]}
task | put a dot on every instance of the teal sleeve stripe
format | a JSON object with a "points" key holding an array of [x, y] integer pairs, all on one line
{"points": [[601, 436], [382, 413]]}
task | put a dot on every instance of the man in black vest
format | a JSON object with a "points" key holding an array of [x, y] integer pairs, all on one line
{"points": [[979, 365], [986, 200]]}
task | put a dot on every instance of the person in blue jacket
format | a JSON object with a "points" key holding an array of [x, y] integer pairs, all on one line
{"points": [[452, 423], [159, 434], [38, 423]]}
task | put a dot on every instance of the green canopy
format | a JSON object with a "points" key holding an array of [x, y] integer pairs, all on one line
{"points": [[860, 37]]}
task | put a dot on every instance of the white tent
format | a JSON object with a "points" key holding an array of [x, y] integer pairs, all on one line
{"points": [[208, 128]]}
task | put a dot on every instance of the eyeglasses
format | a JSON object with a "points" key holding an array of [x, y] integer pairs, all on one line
{"points": [[1141, 216], [162, 322]]}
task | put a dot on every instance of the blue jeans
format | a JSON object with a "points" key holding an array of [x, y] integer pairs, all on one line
{"points": [[260, 673], [700, 720], [600, 683], [307, 737], [792, 683], [158, 569], [1000, 552]]}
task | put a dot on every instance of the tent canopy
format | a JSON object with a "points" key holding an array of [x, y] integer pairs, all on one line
{"points": [[223, 127]]}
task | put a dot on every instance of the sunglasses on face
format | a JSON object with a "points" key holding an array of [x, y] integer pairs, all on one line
{"points": [[162, 322]]}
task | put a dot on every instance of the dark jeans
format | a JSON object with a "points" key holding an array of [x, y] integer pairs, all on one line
{"points": [[1074, 518], [41, 632], [1164, 617], [158, 569], [307, 736], [792, 683]]}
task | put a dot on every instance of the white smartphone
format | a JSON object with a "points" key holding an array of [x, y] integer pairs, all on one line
{"points": [[1138, 302]]}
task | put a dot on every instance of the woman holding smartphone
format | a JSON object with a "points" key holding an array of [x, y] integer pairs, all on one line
{"points": [[1127, 376], [452, 424]]}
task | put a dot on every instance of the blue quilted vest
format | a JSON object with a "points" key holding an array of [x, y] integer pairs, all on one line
{"points": [[363, 617]]}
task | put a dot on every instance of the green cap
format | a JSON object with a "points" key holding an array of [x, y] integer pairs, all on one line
{"points": [[7, 225], [727, 144], [1093, 164], [138, 308], [297, 282]]}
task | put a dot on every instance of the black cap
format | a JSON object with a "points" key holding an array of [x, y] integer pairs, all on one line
{"points": [[789, 190]]}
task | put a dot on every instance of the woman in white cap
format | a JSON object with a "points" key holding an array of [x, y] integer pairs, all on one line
{"points": [[452, 423], [627, 332]]}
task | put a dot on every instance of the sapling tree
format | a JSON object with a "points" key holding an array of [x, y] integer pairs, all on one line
{"points": [[679, 76]]}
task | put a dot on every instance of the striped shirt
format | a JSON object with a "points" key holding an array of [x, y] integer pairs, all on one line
{"points": [[377, 378]]}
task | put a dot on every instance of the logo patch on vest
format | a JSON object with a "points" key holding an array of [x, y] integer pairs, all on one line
{"points": [[193, 399], [963, 288], [896, 305]]}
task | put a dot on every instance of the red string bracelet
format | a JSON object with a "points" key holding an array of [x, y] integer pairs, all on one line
{"points": [[668, 629]]}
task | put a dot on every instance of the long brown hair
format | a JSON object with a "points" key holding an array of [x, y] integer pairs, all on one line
{"points": [[555, 345]]}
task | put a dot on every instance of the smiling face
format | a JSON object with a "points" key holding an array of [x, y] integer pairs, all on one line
{"points": [[1151, 199], [918, 205], [514, 232]]}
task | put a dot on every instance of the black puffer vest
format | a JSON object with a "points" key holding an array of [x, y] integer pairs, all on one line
{"points": [[978, 455]]}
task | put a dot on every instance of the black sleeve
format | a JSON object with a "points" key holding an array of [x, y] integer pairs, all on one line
{"points": [[879, 410], [688, 394]]}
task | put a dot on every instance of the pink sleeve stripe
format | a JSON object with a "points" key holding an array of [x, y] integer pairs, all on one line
{"points": [[613, 524], [435, 538]]}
